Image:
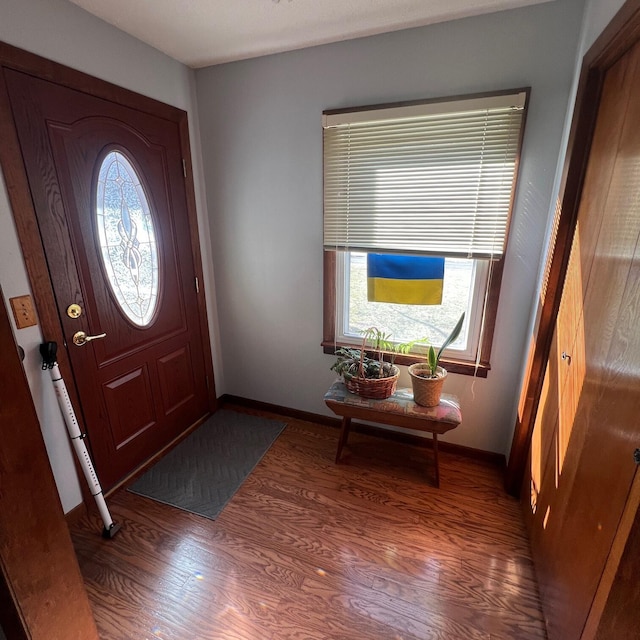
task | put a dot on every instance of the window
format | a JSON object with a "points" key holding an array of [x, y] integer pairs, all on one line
{"points": [[426, 179], [127, 238]]}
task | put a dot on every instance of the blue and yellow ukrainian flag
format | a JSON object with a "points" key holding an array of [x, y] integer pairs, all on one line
{"points": [[404, 279]]}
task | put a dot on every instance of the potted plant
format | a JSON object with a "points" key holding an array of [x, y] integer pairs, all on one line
{"points": [[370, 376], [428, 377]]}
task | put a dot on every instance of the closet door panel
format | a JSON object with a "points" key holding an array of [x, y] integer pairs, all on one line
{"points": [[613, 116]]}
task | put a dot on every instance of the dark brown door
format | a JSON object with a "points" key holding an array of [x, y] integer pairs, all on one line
{"points": [[109, 192], [42, 594]]}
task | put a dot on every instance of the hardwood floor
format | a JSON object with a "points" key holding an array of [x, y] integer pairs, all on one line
{"points": [[307, 550]]}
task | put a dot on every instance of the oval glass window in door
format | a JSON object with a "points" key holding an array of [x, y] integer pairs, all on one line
{"points": [[127, 238]]}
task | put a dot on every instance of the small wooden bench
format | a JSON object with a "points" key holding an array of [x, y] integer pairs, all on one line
{"points": [[399, 410]]}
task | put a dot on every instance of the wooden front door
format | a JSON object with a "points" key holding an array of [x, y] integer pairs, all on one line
{"points": [[108, 188], [587, 428]]}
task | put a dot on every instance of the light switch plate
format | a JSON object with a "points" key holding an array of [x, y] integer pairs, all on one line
{"points": [[23, 311]]}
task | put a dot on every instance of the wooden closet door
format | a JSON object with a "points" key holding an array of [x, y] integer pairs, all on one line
{"points": [[561, 389], [588, 471]]}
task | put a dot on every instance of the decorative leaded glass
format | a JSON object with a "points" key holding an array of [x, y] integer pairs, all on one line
{"points": [[127, 238]]}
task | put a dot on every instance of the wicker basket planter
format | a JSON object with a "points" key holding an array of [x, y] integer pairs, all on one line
{"points": [[426, 390], [376, 388]]}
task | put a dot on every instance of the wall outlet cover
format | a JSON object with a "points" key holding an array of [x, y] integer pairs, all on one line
{"points": [[23, 311]]}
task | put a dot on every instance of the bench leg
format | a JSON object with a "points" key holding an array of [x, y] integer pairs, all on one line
{"points": [[435, 459], [344, 435]]}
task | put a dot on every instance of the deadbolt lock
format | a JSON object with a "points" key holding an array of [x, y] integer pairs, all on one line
{"points": [[74, 310]]}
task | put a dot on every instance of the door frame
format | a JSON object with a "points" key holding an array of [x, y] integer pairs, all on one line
{"points": [[617, 38], [24, 214]]}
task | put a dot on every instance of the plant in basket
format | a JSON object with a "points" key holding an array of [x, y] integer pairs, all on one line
{"points": [[428, 377], [370, 376]]}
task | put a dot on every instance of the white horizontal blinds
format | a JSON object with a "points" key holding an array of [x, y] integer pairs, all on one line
{"points": [[434, 178]]}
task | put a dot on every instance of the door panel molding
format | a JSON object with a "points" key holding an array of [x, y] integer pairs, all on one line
{"points": [[174, 395], [131, 390]]}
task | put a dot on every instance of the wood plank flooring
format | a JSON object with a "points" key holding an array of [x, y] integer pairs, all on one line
{"points": [[307, 550]]}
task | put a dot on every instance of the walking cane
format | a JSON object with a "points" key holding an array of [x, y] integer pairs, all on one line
{"points": [[48, 352]]}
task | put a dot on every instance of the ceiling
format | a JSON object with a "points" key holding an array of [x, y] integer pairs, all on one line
{"points": [[200, 33]]}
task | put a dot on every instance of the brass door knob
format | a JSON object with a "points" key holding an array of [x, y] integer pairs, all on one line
{"points": [[80, 338]]}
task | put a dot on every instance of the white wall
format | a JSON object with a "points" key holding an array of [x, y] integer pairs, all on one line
{"points": [[597, 15], [262, 150], [60, 31]]}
